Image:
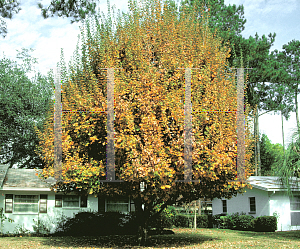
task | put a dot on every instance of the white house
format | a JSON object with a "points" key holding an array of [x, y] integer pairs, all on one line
{"points": [[25, 197], [266, 197]]}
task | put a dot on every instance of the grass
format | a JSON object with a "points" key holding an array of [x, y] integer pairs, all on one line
{"points": [[183, 238]]}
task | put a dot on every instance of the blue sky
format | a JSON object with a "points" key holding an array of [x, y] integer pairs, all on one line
{"points": [[28, 29]]}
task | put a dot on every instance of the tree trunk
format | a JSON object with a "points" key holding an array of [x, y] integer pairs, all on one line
{"points": [[258, 165], [296, 102], [255, 147], [142, 219], [142, 234], [199, 210], [195, 217], [282, 133]]}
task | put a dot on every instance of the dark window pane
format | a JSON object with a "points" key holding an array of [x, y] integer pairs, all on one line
{"points": [[58, 200], [71, 201], [224, 203], [295, 218], [252, 204], [83, 201], [8, 203], [43, 203]]}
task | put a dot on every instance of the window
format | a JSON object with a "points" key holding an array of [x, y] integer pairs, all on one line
{"points": [[117, 204], [252, 204], [26, 204], [58, 200], [224, 203], [8, 203], [43, 203], [69, 201], [83, 201], [206, 207], [295, 210], [295, 203]]}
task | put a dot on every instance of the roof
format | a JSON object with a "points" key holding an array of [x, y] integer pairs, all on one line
{"points": [[23, 179], [272, 183]]}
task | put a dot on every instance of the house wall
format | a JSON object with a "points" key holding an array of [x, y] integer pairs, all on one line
{"points": [[241, 203], [280, 202], [266, 204], [51, 217]]}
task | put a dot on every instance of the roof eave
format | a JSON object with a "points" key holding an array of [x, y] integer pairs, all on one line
{"points": [[25, 189]]}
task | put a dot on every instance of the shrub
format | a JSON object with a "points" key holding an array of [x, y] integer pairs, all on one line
{"points": [[223, 223], [216, 221], [40, 227], [244, 223], [93, 224], [202, 221], [165, 219], [264, 224], [183, 220], [233, 220]]}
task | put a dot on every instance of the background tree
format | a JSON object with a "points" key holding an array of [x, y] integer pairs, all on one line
{"points": [[7, 8], [288, 168], [270, 156], [78, 9], [281, 89], [150, 45], [24, 104], [291, 64], [228, 21]]}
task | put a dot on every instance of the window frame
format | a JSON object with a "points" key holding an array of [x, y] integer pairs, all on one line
{"points": [[224, 207], [251, 205], [293, 202], [43, 201], [128, 203], [294, 212], [82, 201], [9, 198], [20, 203]]}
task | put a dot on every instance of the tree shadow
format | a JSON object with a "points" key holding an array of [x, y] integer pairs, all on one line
{"points": [[128, 241]]}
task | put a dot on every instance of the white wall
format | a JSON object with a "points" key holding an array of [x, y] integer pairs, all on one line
{"points": [[241, 203], [280, 202], [52, 215], [266, 204]]}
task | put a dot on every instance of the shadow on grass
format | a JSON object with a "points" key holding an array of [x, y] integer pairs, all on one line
{"points": [[128, 241]]}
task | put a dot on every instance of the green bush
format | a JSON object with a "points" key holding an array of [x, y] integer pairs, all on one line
{"points": [[223, 222], [183, 220], [216, 221], [235, 221], [244, 223], [94, 224], [264, 224], [202, 221], [165, 219]]}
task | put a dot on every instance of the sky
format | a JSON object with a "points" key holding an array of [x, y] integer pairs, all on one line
{"points": [[28, 29]]}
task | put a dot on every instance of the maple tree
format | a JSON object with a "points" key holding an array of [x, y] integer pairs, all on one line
{"points": [[150, 45]]}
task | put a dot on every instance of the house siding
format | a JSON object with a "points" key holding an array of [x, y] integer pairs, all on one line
{"points": [[241, 203], [267, 202], [51, 217]]}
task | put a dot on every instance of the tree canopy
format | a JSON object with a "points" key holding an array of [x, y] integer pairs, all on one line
{"points": [[151, 46], [24, 104], [78, 9]]}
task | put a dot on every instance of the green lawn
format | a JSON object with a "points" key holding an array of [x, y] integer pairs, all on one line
{"points": [[183, 238]]}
